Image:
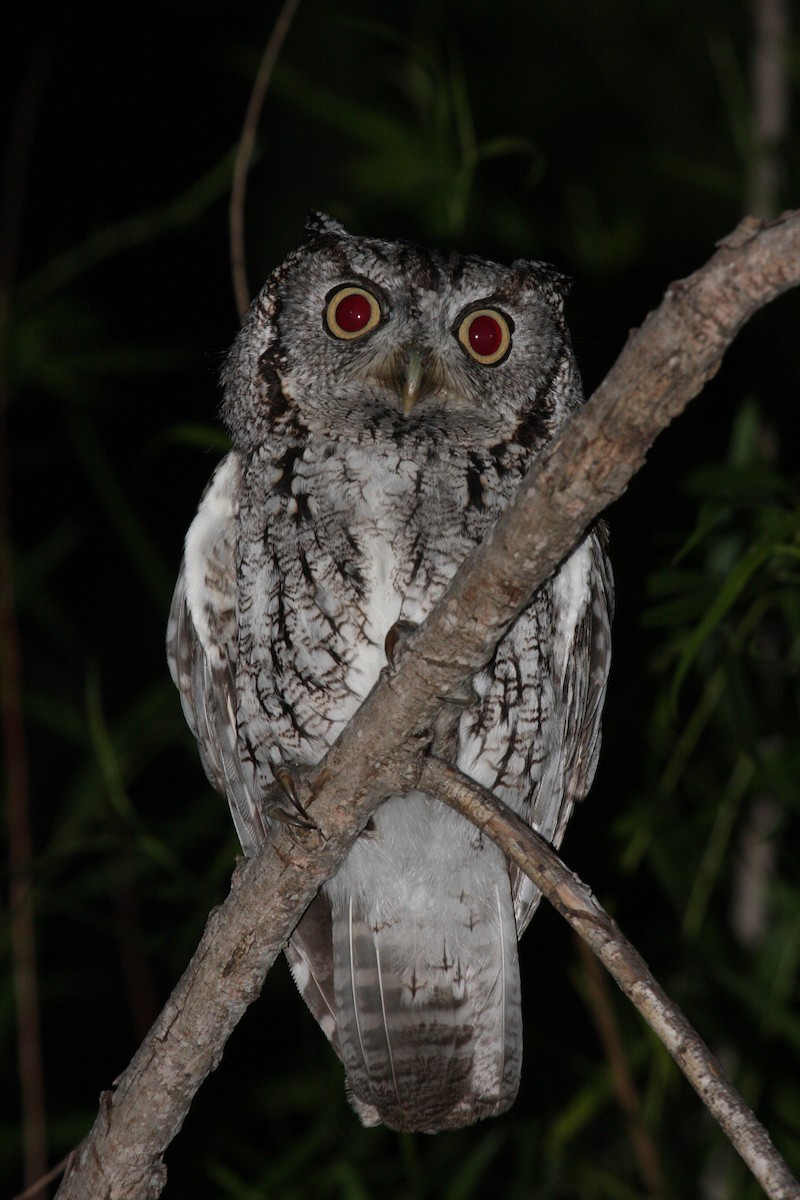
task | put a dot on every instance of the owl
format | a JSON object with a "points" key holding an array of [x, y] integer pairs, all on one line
{"points": [[383, 402]]}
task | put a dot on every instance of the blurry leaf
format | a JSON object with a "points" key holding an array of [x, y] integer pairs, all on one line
{"points": [[581, 1110], [470, 1173], [134, 231], [732, 588], [202, 437], [427, 158], [710, 865], [134, 537], [349, 1184]]}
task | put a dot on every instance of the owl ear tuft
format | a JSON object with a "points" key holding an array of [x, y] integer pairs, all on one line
{"points": [[541, 274], [320, 222]]}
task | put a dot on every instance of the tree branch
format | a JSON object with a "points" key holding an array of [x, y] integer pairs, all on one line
{"points": [[662, 367], [576, 904]]}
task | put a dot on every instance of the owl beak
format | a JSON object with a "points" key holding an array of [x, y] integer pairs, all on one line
{"points": [[414, 361]]}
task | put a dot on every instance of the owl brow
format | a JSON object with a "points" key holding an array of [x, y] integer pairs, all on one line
{"points": [[337, 253], [458, 267], [424, 266], [356, 279], [511, 291]]}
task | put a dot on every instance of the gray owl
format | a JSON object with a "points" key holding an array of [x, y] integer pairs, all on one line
{"points": [[384, 401]]}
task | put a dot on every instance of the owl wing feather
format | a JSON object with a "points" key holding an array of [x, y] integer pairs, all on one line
{"points": [[202, 648], [583, 637], [311, 963], [202, 640], [590, 661]]}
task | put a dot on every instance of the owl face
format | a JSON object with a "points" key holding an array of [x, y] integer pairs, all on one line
{"points": [[357, 331]]}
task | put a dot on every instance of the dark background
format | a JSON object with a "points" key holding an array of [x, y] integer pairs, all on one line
{"points": [[618, 141]]}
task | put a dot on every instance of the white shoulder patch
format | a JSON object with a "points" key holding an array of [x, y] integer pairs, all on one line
{"points": [[213, 526], [571, 588]]}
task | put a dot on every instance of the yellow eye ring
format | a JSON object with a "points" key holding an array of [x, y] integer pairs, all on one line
{"points": [[351, 312], [485, 334]]}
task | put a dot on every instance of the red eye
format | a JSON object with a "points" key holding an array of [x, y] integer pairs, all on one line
{"points": [[351, 311], [486, 335]]}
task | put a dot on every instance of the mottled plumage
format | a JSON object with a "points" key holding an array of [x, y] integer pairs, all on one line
{"points": [[383, 401]]}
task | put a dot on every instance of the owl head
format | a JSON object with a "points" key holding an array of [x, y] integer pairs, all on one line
{"points": [[352, 332]]}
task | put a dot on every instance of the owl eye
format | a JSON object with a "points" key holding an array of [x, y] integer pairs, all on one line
{"points": [[351, 312], [485, 334]]}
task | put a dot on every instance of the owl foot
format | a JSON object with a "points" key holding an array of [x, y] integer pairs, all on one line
{"points": [[285, 781], [395, 638]]}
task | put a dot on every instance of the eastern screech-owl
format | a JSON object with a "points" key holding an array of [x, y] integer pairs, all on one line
{"points": [[384, 401]]}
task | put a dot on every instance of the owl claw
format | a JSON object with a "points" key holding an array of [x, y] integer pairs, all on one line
{"points": [[395, 638], [285, 781], [276, 813]]}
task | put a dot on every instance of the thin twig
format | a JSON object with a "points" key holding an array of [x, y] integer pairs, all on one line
{"points": [[38, 1187], [753, 865], [575, 902], [771, 88], [244, 153]]}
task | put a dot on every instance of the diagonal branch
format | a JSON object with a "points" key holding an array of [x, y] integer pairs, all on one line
{"points": [[576, 904], [662, 367]]}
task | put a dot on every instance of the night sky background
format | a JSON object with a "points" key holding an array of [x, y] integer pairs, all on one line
{"points": [[617, 141]]}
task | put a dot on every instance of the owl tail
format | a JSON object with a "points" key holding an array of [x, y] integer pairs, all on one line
{"points": [[427, 999]]}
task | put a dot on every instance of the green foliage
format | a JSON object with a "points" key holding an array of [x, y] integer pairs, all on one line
{"points": [[616, 140]]}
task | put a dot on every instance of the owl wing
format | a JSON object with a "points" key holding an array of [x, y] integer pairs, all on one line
{"points": [[584, 609], [202, 647]]}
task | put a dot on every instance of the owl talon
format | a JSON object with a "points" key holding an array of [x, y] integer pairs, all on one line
{"points": [[285, 781], [395, 638], [370, 830], [276, 813]]}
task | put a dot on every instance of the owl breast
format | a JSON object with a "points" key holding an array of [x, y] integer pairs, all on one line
{"points": [[339, 540]]}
